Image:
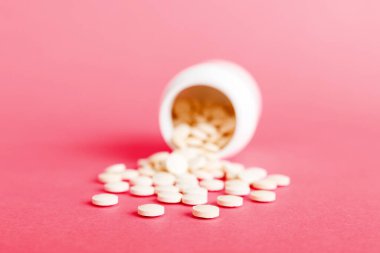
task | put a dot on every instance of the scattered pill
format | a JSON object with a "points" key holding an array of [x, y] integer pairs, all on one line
{"points": [[169, 197], [265, 184], [229, 201], [281, 180], [116, 168], [176, 163], [129, 174], [262, 196], [163, 178], [109, 177], [142, 180], [194, 199], [201, 174], [116, 187], [105, 199], [195, 190], [151, 210], [142, 190], [166, 188], [237, 188], [212, 184], [251, 175], [205, 211]]}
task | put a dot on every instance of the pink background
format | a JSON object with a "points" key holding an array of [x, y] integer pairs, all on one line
{"points": [[80, 83]]}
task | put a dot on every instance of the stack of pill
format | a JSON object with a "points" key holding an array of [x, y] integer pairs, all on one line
{"points": [[187, 174]]}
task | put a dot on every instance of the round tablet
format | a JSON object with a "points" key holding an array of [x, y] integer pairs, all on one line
{"points": [[150, 210], [206, 211], [195, 190], [229, 200], [166, 188], [129, 174], [212, 184], [116, 168], [176, 164], [142, 190], [202, 175], [163, 178], [146, 171], [116, 187], [169, 197], [107, 177], [194, 199], [105, 199], [264, 184], [281, 180], [142, 180], [253, 174], [237, 188], [262, 196]]}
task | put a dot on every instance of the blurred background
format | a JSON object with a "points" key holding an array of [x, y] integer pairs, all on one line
{"points": [[81, 82]]}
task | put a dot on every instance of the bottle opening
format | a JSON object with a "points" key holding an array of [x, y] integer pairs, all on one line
{"points": [[208, 115]]}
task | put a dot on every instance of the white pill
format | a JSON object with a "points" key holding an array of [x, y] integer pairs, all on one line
{"points": [[199, 134], [109, 177], [211, 147], [281, 180], [189, 153], [195, 190], [166, 188], [142, 190], [236, 182], [198, 162], [229, 200], [265, 184], [202, 175], [151, 210], [240, 189], [194, 199], [129, 174], [176, 164], [206, 211], [116, 168], [163, 178], [180, 133], [263, 196], [159, 156], [187, 179], [217, 173], [116, 187], [169, 197], [142, 180], [207, 128], [182, 187], [105, 199], [212, 184], [232, 169], [251, 175], [192, 141], [146, 171]]}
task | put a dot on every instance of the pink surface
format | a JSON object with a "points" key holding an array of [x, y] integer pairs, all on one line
{"points": [[80, 83]]}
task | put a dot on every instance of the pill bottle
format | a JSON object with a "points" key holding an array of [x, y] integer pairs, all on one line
{"points": [[221, 82]]}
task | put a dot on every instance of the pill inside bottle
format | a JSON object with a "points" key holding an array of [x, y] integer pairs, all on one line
{"points": [[214, 106], [202, 117]]}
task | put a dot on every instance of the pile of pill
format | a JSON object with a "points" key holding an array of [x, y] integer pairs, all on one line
{"points": [[202, 124], [186, 175]]}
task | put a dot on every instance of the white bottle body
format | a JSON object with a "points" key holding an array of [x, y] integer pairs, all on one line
{"points": [[230, 79]]}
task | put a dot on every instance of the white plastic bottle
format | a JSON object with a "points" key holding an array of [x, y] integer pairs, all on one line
{"points": [[229, 79]]}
